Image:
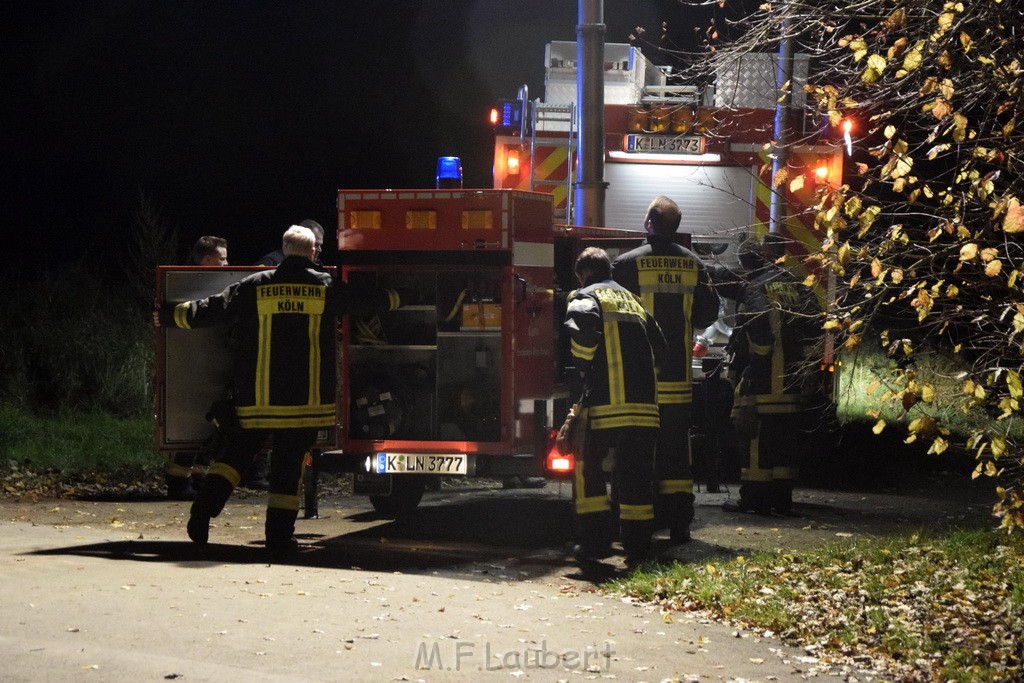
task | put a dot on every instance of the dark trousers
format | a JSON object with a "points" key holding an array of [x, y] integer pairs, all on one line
{"points": [[770, 449], [289, 449], [673, 468], [632, 484]]}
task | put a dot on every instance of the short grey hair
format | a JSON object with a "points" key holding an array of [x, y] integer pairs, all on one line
{"points": [[298, 241]]}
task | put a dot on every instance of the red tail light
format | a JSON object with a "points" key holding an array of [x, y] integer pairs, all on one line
{"points": [[558, 462]]}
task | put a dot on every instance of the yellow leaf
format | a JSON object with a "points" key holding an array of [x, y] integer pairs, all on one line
{"points": [[810, 280], [993, 268], [876, 267], [927, 393], [941, 109], [879, 426], [780, 178], [1013, 382], [1013, 221], [877, 62], [912, 60], [889, 131], [968, 252], [797, 183], [946, 20], [998, 445]]}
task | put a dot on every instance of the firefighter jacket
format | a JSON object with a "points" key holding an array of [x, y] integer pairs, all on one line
{"points": [[778, 331], [673, 286], [285, 325], [615, 344]]}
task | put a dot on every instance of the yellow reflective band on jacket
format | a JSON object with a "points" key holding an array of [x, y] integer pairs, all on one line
{"points": [[282, 501], [286, 417], [314, 359], [670, 486], [624, 415], [226, 471], [613, 352], [759, 349], [176, 470], [674, 392], [583, 352], [262, 387], [394, 300], [181, 316], [636, 513]]}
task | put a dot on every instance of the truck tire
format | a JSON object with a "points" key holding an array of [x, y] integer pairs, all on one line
{"points": [[406, 493]]}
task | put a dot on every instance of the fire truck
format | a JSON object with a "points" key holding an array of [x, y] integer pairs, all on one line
{"points": [[469, 378]]}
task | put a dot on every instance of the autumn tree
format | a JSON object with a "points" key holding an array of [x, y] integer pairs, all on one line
{"points": [[924, 233]]}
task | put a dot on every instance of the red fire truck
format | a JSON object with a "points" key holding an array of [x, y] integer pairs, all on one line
{"points": [[467, 380]]}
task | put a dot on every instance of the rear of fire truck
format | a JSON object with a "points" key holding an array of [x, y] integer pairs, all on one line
{"points": [[706, 147]]}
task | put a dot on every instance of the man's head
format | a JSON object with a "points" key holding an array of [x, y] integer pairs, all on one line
{"points": [[663, 217], [756, 253], [318, 232], [593, 265], [210, 251], [299, 241]]}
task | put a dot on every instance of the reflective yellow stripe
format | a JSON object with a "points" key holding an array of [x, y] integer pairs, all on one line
{"points": [[262, 379], [675, 392], [181, 316], [286, 411], [670, 486], [583, 352], [625, 421], [285, 422], [785, 473], [176, 470], [314, 359], [755, 472], [226, 471], [636, 513], [759, 349], [613, 350], [282, 501], [594, 504]]}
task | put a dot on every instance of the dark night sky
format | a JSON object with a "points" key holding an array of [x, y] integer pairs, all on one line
{"points": [[240, 118]]}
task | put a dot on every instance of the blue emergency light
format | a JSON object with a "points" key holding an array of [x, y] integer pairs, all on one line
{"points": [[449, 173]]}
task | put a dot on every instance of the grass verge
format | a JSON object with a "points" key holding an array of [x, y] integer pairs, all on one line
{"points": [[50, 452], [919, 607]]}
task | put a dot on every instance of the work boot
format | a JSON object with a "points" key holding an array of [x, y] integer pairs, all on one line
{"points": [[199, 525], [208, 504], [744, 506], [679, 535]]}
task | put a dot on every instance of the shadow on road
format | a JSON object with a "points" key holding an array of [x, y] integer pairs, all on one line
{"points": [[493, 538]]}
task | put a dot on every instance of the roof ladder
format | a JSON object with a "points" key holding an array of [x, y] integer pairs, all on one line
{"points": [[554, 117]]}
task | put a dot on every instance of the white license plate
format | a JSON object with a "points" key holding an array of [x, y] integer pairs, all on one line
{"points": [[420, 463]]}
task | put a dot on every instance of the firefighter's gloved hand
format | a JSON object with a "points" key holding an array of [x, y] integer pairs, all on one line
{"points": [[163, 314]]}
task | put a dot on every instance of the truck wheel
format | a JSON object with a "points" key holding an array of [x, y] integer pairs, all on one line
{"points": [[406, 493]]}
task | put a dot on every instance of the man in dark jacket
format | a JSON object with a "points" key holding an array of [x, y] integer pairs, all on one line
{"points": [[275, 257], [673, 286], [615, 344], [284, 384], [778, 329]]}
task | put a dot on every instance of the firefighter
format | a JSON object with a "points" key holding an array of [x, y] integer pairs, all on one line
{"points": [[775, 411], [614, 344], [255, 476], [284, 385], [673, 286], [184, 467]]}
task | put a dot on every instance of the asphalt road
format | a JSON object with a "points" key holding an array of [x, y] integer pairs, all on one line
{"points": [[477, 585]]}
